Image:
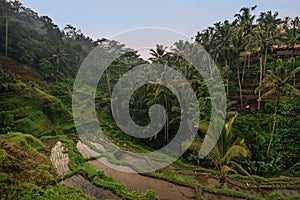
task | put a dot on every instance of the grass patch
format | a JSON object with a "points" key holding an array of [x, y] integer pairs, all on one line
{"points": [[171, 175], [27, 173], [230, 193]]}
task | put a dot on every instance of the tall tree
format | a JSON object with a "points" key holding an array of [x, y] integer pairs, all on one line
{"points": [[291, 36], [269, 23], [158, 53], [6, 9], [276, 83], [223, 33], [60, 56], [237, 46], [245, 21], [263, 36]]}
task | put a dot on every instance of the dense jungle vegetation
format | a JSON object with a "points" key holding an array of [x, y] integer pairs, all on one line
{"points": [[258, 57]]}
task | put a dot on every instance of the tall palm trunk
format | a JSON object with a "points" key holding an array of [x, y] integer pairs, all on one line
{"points": [[294, 76], [167, 129], [276, 103], [249, 60], [57, 68], [239, 82], [244, 68], [293, 59], [227, 81], [260, 81], [210, 67], [6, 36], [227, 87], [108, 83], [166, 107], [222, 180], [265, 60]]}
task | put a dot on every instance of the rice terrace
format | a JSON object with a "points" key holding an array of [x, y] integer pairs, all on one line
{"points": [[149, 100]]}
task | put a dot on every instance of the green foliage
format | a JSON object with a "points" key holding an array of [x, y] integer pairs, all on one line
{"points": [[58, 192], [227, 151], [30, 105], [171, 175], [57, 112], [12, 189], [274, 196], [255, 128], [230, 193], [25, 170]]}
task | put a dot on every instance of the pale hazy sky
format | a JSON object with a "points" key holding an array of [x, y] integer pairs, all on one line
{"points": [[104, 18]]}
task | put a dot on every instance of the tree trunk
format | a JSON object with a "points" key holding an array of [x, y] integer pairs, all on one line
{"points": [[294, 76], [244, 68], [57, 69], [240, 84], [260, 81], [108, 83], [227, 87], [6, 36], [210, 67], [167, 129], [276, 103], [226, 62], [265, 60], [221, 180], [249, 60]]}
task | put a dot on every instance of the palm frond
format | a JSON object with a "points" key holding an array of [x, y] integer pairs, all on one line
{"points": [[242, 170], [270, 92], [228, 125], [236, 151]]}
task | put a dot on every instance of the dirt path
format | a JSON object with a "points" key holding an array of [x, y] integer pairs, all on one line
{"points": [[137, 182]]}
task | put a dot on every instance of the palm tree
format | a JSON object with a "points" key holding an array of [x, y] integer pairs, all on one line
{"points": [[158, 53], [237, 45], [227, 150], [291, 36], [276, 83], [270, 23], [158, 92], [60, 56], [220, 45], [245, 21], [263, 36], [222, 39], [259, 40]]}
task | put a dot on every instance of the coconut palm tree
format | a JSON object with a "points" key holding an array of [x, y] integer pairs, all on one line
{"points": [[206, 39], [227, 150], [245, 21], [158, 53], [270, 23], [263, 36], [291, 36], [223, 32], [276, 83], [237, 46]]}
